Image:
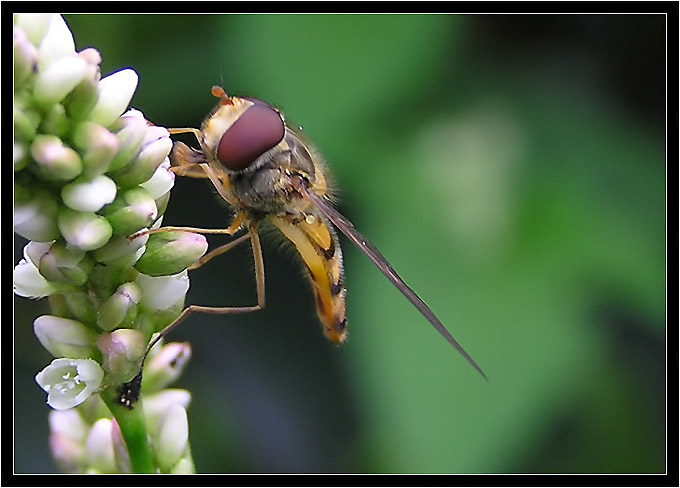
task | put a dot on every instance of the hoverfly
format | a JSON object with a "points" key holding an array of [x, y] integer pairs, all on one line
{"points": [[266, 172]]}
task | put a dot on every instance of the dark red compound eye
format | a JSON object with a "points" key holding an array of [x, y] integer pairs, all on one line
{"points": [[255, 132]]}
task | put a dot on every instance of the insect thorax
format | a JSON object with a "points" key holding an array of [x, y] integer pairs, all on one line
{"points": [[266, 187]]}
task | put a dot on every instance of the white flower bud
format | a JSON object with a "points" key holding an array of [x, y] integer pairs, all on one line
{"points": [[57, 43], [162, 292], [84, 230], [99, 447], [64, 264], [34, 25], [168, 253], [131, 211], [161, 182], [64, 337], [166, 366], [69, 423], [97, 145], [54, 160], [130, 138], [58, 79], [120, 309], [115, 93], [156, 147], [68, 453], [172, 435], [69, 382], [89, 195], [155, 404], [25, 57], [35, 218], [184, 466], [121, 251]]}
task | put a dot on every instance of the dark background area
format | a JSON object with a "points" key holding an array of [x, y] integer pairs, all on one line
{"points": [[512, 169]]}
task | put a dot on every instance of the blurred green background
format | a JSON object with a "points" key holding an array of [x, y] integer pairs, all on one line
{"points": [[511, 168]]}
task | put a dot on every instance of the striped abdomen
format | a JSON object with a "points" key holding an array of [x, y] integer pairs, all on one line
{"points": [[320, 250]]}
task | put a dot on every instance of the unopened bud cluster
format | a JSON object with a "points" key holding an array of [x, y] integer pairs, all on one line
{"points": [[88, 180]]}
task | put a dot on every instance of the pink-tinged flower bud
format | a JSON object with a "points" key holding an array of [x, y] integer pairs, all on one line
{"points": [[156, 147], [34, 25], [84, 230], [62, 264], [97, 145], [67, 453], [166, 366], [25, 57], [89, 195], [68, 422], [120, 451], [58, 79], [65, 338], [131, 211], [91, 56], [82, 99], [122, 350], [115, 93], [130, 138], [35, 217], [69, 382], [99, 448], [168, 253], [54, 161], [120, 309], [172, 436]]}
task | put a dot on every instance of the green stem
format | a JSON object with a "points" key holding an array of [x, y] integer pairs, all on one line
{"points": [[133, 428]]}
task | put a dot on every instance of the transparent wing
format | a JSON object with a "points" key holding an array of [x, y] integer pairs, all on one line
{"points": [[346, 227]]}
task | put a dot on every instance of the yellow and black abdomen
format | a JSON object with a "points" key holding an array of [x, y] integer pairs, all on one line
{"points": [[319, 248]]}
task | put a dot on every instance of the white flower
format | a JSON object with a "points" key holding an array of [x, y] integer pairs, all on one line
{"points": [[28, 282], [69, 382]]}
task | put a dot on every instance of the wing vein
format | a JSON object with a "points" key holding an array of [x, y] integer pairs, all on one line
{"points": [[347, 228]]}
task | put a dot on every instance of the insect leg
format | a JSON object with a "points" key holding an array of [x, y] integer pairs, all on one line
{"points": [[259, 284]]}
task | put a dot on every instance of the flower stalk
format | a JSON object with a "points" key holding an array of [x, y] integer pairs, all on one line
{"points": [[90, 178]]}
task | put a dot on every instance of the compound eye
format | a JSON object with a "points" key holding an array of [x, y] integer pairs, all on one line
{"points": [[255, 132]]}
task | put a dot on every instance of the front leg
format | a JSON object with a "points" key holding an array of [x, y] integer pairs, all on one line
{"points": [[187, 161]]}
